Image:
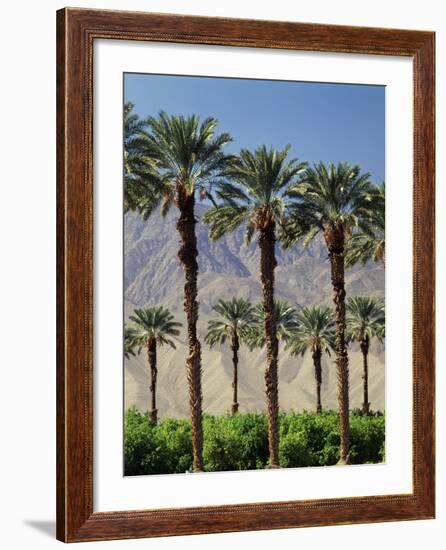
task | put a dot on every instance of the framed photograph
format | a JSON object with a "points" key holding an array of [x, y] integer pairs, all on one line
{"points": [[245, 275]]}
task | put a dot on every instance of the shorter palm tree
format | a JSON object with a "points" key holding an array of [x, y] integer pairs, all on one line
{"points": [[151, 327], [236, 318], [285, 318], [365, 320], [315, 333]]}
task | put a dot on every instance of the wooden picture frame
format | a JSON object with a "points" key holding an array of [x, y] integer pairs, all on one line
{"points": [[76, 31]]}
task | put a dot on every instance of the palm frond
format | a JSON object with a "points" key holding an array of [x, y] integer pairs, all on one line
{"points": [[253, 190], [330, 196], [368, 242]]}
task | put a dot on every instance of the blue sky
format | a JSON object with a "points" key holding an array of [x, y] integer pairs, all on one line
{"points": [[328, 122]]}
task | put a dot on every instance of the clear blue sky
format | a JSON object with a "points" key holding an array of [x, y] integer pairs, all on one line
{"points": [[328, 122]]}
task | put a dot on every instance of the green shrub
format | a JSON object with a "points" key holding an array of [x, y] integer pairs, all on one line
{"points": [[308, 439], [177, 435], [240, 442], [144, 451], [367, 438]]}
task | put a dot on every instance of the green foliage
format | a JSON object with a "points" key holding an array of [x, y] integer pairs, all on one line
{"points": [[368, 242], [235, 318], [285, 317], [240, 442], [365, 318], [335, 198], [144, 451], [304, 438], [315, 331], [181, 156], [177, 436], [253, 191], [367, 439], [150, 449]]}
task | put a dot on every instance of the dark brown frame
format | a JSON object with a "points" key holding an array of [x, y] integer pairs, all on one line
{"points": [[76, 31]]}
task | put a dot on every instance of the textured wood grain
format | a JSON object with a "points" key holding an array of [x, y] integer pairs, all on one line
{"points": [[76, 31]]}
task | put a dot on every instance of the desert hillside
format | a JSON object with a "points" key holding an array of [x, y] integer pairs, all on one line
{"points": [[229, 267]]}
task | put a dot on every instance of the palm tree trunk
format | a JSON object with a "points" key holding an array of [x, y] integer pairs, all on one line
{"points": [[267, 266], [235, 348], [151, 352], [364, 344], [187, 255], [317, 354], [335, 238]]}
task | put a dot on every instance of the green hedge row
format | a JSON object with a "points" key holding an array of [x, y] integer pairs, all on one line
{"points": [[240, 442]]}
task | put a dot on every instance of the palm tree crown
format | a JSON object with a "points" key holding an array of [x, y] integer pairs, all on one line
{"points": [[315, 330], [368, 243], [236, 317], [185, 156], [253, 192], [365, 318], [286, 321], [332, 199], [152, 323]]}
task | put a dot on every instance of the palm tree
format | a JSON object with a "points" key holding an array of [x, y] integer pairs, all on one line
{"points": [[151, 327], [369, 242], [285, 317], [236, 317], [333, 201], [315, 333], [254, 194], [185, 158], [365, 320]]}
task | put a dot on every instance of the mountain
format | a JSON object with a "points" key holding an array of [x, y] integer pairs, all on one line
{"points": [[229, 267]]}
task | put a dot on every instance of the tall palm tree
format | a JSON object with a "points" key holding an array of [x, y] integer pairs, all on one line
{"points": [[315, 333], [236, 318], [151, 327], [185, 159], [365, 320], [368, 243], [254, 194], [332, 200]]}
